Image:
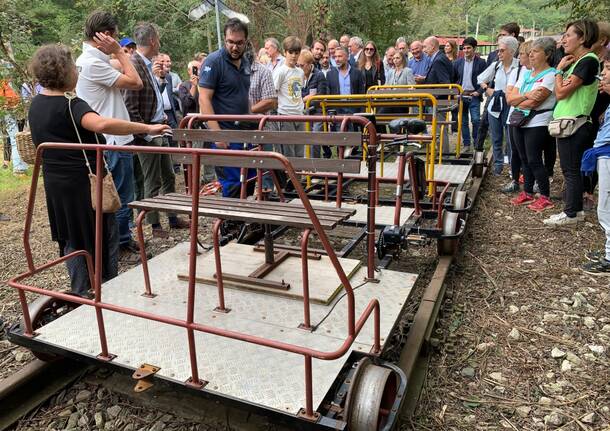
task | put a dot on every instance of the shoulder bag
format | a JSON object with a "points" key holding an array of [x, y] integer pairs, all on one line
{"points": [[110, 197], [566, 126]]}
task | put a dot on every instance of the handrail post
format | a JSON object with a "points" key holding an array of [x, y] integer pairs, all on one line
{"points": [[305, 276], [190, 302], [219, 281], [99, 230]]}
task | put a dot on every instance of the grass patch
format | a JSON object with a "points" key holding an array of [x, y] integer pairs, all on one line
{"points": [[11, 182]]}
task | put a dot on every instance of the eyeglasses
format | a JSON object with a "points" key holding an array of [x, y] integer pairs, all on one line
{"points": [[369, 49], [239, 43]]}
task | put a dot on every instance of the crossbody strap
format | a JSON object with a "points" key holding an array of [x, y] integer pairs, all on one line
{"points": [[71, 96]]}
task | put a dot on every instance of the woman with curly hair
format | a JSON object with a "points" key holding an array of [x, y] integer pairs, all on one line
{"points": [[57, 115]]}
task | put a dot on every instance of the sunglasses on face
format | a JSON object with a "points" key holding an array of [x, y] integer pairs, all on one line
{"points": [[369, 49]]}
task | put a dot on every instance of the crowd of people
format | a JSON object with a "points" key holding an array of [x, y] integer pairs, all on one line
{"points": [[126, 93]]}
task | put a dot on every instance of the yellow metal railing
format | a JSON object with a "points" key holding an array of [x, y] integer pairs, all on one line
{"points": [[451, 96], [370, 102]]}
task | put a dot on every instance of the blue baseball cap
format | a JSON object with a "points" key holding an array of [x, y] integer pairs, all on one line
{"points": [[126, 41]]}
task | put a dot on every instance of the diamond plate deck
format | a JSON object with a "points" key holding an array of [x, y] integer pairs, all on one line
{"points": [[384, 215], [454, 174], [242, 260], [260, 375]]}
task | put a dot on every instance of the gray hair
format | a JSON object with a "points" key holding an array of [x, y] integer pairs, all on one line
{"points": [[144, 33], [548, 45], [510, 42], [358, 41], [342, 48], [273, 41], [401, 39]]}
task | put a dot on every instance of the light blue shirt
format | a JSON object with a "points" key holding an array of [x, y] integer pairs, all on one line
{"points": [[345, 86], [467, 84], [420, 67], [159, 114], [603, 135]]}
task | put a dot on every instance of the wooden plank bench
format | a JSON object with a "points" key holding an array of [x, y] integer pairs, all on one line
{"points": [[263, 212]]}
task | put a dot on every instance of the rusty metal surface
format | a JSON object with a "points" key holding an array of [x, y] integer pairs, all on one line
{"points": [[271, 137]]}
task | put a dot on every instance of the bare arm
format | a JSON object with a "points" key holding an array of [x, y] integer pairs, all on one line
{"points": [[564, 88], [266, 105], [129, 78], [98, 124], [513, 97]]}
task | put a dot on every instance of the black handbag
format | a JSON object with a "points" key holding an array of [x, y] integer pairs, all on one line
{"points": [[518, 118]]}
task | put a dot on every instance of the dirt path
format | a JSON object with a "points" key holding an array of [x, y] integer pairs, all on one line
{"points": [[526, 344]]}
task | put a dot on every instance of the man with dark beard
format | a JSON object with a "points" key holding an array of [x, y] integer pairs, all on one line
{"points": [[224, 84]]}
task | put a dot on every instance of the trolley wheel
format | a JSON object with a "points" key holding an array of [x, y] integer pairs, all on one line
{"points": [[448, 246], [371, 397], [45, 310], [477, 167], [459, 201]]}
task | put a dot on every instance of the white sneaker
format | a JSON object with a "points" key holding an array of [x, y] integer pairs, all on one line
{"points": [[580, 215], [561, 219]]}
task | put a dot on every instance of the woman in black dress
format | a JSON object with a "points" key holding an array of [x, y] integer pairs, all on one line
{"points": [[66, 181], [370, 64]]}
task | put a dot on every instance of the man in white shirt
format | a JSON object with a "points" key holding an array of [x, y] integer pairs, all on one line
{"points": [[355, 50], [100, 84], [272, 48]]}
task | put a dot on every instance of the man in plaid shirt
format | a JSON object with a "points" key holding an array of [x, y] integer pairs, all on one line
{"points": [[263, 99]]}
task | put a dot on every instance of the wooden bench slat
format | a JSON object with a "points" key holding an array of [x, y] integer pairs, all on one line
{"points": [[299, 164], [332, 139], [262, 204], [299, 213], [231, 215]]}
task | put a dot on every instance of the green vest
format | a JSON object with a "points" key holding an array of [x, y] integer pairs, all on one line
{"points": [[581, 101]]}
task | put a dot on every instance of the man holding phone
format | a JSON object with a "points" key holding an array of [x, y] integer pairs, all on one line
{"points": [[188, 92]]}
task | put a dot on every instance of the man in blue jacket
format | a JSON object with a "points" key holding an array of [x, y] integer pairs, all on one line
{"points": [[345, 79], [441, 69], [466, 70]]}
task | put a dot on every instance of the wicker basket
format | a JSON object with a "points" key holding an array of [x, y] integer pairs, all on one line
{"points": [[25, 146]]}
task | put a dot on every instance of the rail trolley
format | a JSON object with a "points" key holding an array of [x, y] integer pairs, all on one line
{"points": [[293, 332]]}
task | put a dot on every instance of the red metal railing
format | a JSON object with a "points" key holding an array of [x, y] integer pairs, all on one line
{"points": [[354, 327]]}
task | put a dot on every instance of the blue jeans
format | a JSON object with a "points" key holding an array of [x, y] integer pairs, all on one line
{"points": [[11, 128], [497, 129], [121, 166], [471, 112]]}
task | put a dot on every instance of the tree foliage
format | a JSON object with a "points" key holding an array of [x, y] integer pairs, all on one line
{"points": [[22, 29]]}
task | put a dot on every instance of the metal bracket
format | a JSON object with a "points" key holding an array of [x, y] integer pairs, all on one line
{"points": [[142, 375], [303, 415]]}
